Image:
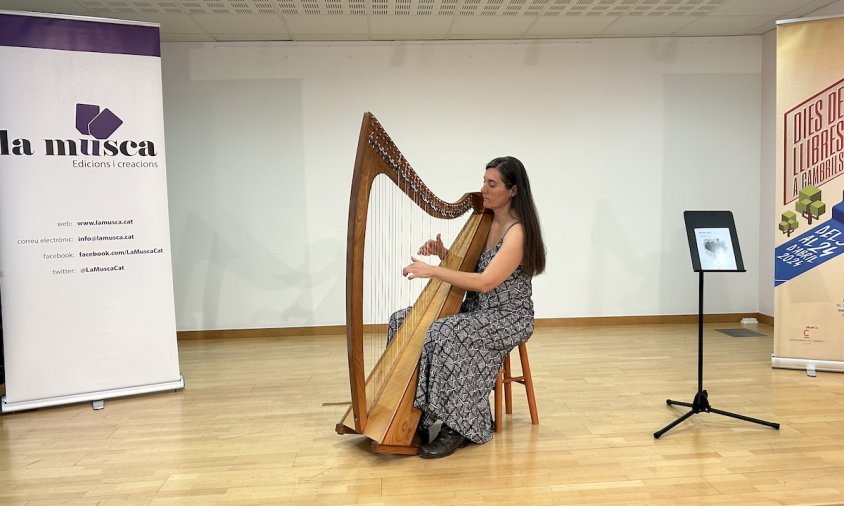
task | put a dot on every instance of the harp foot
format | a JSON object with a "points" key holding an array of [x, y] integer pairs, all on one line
{"points": [[343, 429], [395, 449]]}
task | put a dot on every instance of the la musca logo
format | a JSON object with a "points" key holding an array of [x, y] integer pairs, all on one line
{"points": [[99, 124], [96, 125]]}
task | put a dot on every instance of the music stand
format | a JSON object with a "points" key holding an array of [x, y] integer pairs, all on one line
{"points": [[714, 246]]}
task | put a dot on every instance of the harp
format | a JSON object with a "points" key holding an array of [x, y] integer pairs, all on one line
{"points": [[382, 399]]}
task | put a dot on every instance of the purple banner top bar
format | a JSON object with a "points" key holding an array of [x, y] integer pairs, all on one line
{"points": [[78, 35]]}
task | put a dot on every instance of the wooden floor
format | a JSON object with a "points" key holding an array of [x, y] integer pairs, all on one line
{"points": [[255, 425]]}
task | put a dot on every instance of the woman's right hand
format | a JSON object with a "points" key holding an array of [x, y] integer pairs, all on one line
{"points": [[434, 247]]}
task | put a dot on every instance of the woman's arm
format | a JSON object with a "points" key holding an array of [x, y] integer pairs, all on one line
{"points": [[502, 265]]}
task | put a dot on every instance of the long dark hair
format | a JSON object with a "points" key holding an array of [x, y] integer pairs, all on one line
{"points": [[513, 173]]}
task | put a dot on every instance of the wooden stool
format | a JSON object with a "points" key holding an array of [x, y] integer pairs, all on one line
{"points": [[505, 378]]}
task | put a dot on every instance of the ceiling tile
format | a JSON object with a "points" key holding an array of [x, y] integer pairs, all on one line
{"points": [[409, 27], [821, 8], [241, 23], [568, 26], [175, 23], [489, 27], [758, 7], [407, 20], [647, 26], [53, 6], [327, 27], [724, 25]]}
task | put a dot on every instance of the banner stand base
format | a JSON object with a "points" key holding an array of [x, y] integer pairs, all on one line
{"points": [[805, 364], [8, 407]]}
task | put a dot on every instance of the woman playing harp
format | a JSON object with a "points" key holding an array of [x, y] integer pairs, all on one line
{"points": [[462, 353]]}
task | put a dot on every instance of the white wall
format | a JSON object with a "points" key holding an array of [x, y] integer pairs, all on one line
{"points": [[620, 136]]}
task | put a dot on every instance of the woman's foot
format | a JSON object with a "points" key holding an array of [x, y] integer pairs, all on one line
{"points": [[446, 443]]}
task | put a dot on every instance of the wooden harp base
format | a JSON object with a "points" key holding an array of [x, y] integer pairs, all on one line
{"points": [[395, 449]]}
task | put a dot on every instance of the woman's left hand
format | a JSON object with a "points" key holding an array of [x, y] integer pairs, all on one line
{"points": [[418, 269]]}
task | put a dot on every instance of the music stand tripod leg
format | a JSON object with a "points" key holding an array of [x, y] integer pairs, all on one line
{"points": [[701, 404], [672, 424], [701, 401], [773, 425]]}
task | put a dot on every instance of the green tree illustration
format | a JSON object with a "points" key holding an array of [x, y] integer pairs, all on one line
{"points": [[789, 223], [809, 203]]}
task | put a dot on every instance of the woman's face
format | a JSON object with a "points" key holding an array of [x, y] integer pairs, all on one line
{"points": [[495, 192]]}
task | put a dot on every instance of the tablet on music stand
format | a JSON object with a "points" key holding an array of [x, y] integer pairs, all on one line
{"points": [[713, 241]]}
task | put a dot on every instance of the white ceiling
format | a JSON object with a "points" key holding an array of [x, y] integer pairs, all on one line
{"points": [[355, 20]]}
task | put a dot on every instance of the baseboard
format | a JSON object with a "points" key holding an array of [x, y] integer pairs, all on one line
{"points": [[651, 319], [763, 318], [541, 322], [265, 332]]}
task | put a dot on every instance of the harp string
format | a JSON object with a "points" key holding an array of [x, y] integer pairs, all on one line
{"points": [[397, 226]]}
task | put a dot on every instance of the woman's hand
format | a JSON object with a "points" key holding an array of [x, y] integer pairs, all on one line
{"points": [[418, 269], [433, 247]]}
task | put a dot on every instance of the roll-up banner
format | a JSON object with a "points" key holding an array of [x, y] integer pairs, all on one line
{"points": [[809, 267], [86, 280]]}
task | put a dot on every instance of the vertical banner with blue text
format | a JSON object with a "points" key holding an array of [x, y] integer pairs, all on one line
{"points": [[809, 221], [85, 275]]}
